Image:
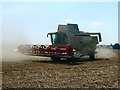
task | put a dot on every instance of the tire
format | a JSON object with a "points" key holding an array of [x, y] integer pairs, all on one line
{"points": [[55, 58], [92, 56]]}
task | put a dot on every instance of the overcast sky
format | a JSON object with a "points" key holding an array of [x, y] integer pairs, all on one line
{"points": [[30, 22]]}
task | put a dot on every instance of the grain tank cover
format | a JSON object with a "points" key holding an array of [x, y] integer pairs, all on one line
{"points": [[62, 28], [73, 28], [68, 28]]}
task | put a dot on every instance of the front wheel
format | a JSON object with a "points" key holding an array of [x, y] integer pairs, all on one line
{"points": [[92, 55], [55, 58]]}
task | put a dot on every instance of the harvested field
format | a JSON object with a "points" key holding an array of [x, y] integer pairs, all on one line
{"points": [[45, 73]]}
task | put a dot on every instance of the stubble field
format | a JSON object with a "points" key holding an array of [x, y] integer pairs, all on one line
{"points": [[45, 73]]}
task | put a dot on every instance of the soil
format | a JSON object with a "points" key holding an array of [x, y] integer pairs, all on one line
{"points": [[45, 73]]}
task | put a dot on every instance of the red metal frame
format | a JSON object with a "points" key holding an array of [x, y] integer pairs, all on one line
{"points": [[49, 51]]}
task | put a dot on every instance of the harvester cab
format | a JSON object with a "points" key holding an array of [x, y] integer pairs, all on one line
{"points": [[67, 42]]}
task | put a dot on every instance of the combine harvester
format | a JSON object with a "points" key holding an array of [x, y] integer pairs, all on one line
{"points": [[68, 42]]}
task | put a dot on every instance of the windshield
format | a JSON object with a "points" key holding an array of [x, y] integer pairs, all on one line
{"points": [[54, 39], [58, 38]]}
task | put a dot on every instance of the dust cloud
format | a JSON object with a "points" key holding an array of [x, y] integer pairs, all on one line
{"points": [[9, 54], [104, 52], [10, 42], [11, 39]]}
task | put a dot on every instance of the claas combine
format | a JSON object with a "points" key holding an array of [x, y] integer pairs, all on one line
{"points": [[68, 42]]}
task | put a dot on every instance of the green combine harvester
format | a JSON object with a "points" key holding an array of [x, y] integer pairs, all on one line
{"points": [[67, 42]]}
